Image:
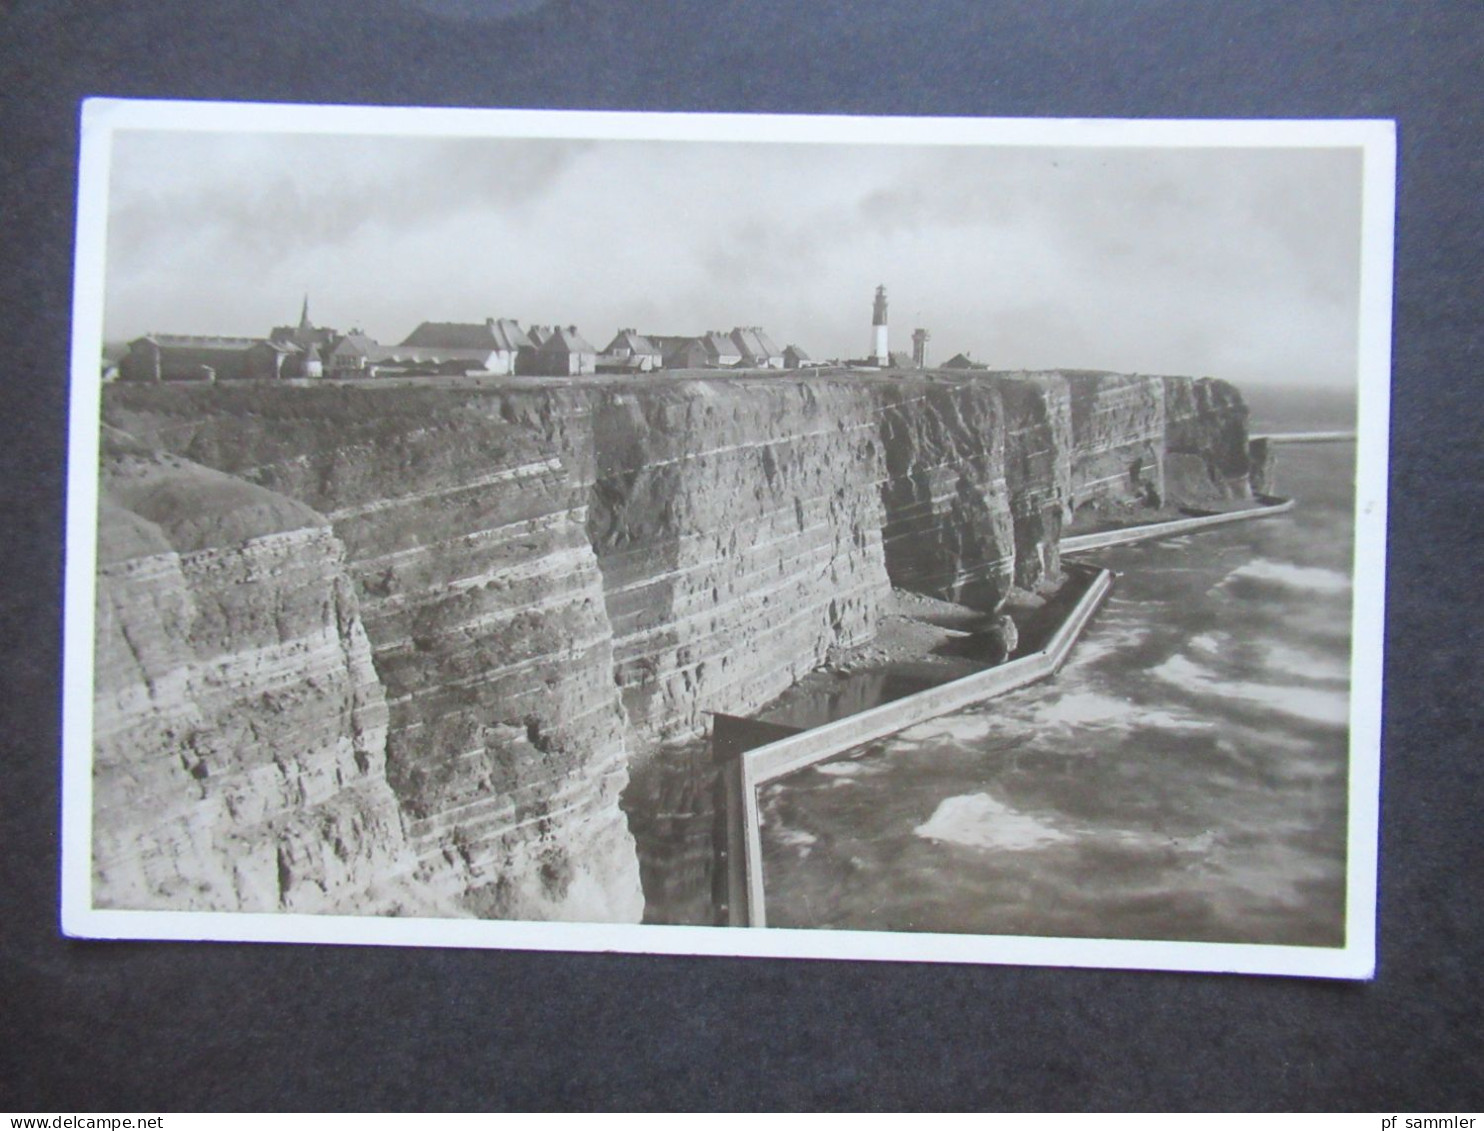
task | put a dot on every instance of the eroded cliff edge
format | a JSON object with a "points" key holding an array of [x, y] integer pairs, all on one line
{"points": [[239, 724], [498, 595]]}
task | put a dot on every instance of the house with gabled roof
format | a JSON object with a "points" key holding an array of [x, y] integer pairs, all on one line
{"points": [[631, 351], [962, 361], [355, 354], [528, 358], [497, 342], [507, 331], [794, 357], [684, 353], [566, 353], [721, 351], [756, 348]]}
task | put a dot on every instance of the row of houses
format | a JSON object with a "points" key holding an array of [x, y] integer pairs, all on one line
{"points": [[496, 346], [746, 347]]}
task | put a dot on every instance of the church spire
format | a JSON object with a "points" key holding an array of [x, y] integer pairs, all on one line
{"points": [[304, 323]]}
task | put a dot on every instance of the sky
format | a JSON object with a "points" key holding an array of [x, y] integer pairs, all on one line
{"points": [[1234, 263]]}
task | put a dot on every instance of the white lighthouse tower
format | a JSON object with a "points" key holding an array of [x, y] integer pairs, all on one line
{"points": [[879, 352]]}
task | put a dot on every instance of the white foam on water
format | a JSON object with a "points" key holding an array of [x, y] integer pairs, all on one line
{"points": [[1105, 639], [1331, 708], [1281, 658], [977, 820], [1201, 843], [843, 769], [1089, 708], [1288, 660], [1210, 643], [794, 838], [1312, 579], [964, 726]]}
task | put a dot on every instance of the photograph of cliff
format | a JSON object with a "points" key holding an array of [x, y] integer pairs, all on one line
{"points": [[461, 498]]}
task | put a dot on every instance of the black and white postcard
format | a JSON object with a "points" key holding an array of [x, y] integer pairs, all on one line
{"points": [[937, 540]]}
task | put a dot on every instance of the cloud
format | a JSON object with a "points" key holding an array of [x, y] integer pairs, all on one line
{"points": [[264, 197]]}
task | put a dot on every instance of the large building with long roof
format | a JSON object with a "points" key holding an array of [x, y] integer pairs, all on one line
{"points": [[205, 357]]}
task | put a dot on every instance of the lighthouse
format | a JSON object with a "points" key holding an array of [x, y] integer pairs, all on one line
{"points": [[879, 353]]}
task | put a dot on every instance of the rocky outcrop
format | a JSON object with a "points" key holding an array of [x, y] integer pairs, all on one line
{"points": [[239, 725], [467, 549], [1261, 476], [531, 585], [1206, 446], [1039, 449], [483, 601], [977, 480], [1119, 437], [950, 527]]}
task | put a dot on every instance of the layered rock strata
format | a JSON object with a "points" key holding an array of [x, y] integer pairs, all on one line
{"points": [[739, 537], [950, 525], [1207, 454], [1039, 449], [1119, 437], [549, 579], [466, 545], [239, 724]]}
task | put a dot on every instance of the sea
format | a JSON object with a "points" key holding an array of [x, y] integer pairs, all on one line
{"points": [[1183, 778]]}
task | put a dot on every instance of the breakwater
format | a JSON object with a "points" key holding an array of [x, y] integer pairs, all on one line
{"points": [[1143, 532], [1307, 437], [751, 769]]}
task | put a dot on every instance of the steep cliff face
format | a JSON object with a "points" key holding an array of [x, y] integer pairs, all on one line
{"points": [[950, 528], [1039, 449], [466, 544], [1118, 425], [1207, 456], [738, 530], [239, 725], [1261, 475], [529, 585], [485, 607]]}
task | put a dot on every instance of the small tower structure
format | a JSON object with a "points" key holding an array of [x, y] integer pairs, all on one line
{"points": [[311, 344], [311, 364], [919, 347], [880, 354]]}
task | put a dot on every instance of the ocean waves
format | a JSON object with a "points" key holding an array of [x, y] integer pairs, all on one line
{"points": [[1316, 705], [977, 820], [1183, 777]]}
